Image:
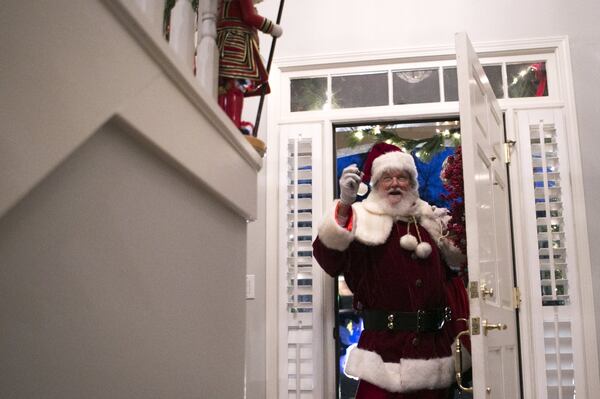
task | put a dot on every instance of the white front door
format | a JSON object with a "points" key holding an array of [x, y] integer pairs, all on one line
{"points": [[493, 324]]}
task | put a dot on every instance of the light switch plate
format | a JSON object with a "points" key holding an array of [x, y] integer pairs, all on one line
{"points": [[250, 286]]}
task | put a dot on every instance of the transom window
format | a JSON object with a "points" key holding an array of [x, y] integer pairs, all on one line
{"points": [[415, 84]]}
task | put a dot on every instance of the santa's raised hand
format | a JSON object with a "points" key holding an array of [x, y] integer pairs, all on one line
{"points": [[349, 182]]}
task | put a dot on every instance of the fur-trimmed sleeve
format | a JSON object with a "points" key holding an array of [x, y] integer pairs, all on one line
{"points": [[330, 248], [334, 236], [452, 255], [435, 221]]}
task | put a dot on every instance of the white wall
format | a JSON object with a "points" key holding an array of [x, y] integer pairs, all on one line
{"points": [[121, 278], [324, 27]]}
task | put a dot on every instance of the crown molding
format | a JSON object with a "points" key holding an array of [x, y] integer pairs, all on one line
{"points": [[422, 53]]}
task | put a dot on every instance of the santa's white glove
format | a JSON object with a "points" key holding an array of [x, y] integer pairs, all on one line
{"points": [[349, 182], [277, 31]]}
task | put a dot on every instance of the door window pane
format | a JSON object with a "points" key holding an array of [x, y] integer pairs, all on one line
{"points": [[308, 94], [527, 80], [366, 90], [416, 86]]}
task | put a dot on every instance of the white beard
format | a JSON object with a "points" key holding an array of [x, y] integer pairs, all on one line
{"points": [[378, 202]]}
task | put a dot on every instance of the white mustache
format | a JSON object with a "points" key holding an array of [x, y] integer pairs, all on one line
{"points": [[395, 191]]}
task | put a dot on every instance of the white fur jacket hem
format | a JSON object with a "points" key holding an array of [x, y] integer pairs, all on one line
{"points": [[405, 376]]}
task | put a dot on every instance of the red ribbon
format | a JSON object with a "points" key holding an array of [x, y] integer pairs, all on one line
{"points": [[540, 76]]}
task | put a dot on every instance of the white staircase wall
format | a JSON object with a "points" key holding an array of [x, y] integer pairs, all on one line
{"points": [[124, 199], [113, 286], [69, 67]]}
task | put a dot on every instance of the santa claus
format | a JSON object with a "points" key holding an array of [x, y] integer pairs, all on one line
{"points": [[394, 253]]}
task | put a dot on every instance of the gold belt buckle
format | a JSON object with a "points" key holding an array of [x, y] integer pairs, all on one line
{"points": [[420, 316], [390, 324], [447, 317]]}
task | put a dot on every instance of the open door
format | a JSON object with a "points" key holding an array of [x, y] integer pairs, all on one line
{"points": [[492, 324]]}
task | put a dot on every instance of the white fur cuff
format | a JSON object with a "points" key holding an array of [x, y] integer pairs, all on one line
{"points": [[332, 235], [452, 255], [406, 376]]}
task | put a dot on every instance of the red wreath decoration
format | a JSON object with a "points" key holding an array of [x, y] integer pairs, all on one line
{"points": [[452, 176]]}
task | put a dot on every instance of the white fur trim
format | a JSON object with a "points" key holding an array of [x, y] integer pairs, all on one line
{"points": [[378, 203], [331, 234], [452, 255], [435, 221], [376, 222], [371, 228], [397, 160], [405, 376], [432, 220]]}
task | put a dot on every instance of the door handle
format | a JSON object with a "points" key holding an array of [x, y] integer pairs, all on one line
{"points": [[488, 326], [458, 362]]}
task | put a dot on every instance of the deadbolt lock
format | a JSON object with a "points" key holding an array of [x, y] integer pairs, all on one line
{"points": [[485, 291]]}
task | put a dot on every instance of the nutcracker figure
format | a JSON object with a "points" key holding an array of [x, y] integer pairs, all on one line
{"points": [[241, 70]]}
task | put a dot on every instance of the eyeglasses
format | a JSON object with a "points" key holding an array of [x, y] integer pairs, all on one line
{"points": [[387, 179]]}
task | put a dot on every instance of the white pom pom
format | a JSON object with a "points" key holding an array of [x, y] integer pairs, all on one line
{"points": [[423, 250], [408, 242]]}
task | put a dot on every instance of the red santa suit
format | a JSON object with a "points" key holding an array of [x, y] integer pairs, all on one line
{"points": [[384, 276]]}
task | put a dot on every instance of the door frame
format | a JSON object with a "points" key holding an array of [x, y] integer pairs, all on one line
{"points": [[277, 115]]}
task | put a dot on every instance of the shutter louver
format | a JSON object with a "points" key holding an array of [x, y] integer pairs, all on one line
{"points": [[556, 257], [299, 280], [549, 214]]}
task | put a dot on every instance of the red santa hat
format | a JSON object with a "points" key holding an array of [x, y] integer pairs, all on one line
{"points": [[385, 157]]}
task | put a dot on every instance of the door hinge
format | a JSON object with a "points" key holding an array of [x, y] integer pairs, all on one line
{"points": [[475, 326], [508, 146], [516, 297], [474, 289]]}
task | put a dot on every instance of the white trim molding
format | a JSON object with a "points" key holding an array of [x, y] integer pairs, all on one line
{"points": [[553, 49], [422, 53]]}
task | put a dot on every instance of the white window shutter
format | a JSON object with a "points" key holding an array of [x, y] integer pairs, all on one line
{"points": [[300, 341], [553, 258], [549, 208]]}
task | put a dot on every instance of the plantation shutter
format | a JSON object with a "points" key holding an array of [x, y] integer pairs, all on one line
{"points": [[301, 340], [553, 264]]}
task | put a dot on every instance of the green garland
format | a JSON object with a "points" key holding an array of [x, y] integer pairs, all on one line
{"points": [[425, 148]]}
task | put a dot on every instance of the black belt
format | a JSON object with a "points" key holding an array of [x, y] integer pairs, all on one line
{"points": [[420, 321]]}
